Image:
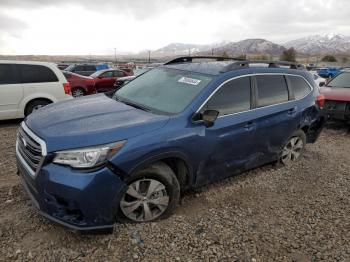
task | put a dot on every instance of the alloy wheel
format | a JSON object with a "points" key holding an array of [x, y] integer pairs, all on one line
{"points": [[145, 200], [77, 93], [292, 150]]}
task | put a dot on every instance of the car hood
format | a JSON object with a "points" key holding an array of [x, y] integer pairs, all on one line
{"points": [[338, 94], [91, 120]]}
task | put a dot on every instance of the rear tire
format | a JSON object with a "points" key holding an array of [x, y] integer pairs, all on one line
{"points": [[294, 148], [35, 105], [153, 194], [77, 92]]}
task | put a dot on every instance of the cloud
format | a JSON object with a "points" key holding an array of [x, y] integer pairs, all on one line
{"points": [[86, 26]]}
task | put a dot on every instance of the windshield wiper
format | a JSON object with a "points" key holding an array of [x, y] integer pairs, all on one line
{"points": [[129, 103]]}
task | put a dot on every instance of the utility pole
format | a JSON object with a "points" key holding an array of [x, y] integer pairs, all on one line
{"points": [[189, 52], [149, 56], [212, 51], [115, 56]]}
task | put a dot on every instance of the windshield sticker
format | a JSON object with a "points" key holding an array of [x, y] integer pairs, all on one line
{"points": [[190, 81]]}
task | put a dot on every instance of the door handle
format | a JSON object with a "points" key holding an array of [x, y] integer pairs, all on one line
{"points": [[249, 125]]}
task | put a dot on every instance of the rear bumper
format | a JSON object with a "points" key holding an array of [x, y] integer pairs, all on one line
{"points": [[339, 110], [77, 200]]}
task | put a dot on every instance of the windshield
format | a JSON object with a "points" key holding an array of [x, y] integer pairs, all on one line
{"points": [[164, 90], [342, 80]]}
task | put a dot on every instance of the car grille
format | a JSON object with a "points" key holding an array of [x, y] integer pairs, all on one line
{"points": [[29, 150]]}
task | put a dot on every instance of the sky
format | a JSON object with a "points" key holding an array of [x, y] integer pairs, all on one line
{"points": [[80, 27]]}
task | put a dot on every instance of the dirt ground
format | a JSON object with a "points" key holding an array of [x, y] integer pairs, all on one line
{"points": [[299, 213]]}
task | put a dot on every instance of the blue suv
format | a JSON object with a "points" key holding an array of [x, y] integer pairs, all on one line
{"points": [[95, 160]]}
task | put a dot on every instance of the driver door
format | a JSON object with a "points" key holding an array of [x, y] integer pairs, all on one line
{"points": [[105, 82]]}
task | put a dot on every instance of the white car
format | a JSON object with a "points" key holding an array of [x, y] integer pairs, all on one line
{"points": [[320, 81], [28, 86]]}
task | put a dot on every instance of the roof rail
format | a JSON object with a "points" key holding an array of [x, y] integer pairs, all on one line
{"points": [[189, 59], [271, 64]]}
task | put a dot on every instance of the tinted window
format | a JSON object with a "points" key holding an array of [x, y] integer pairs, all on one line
{"points": [[78, 68], [272, 89], [89, 68], [119, 74], [7, 75], [300, 87], [342, 80], [232, 97], [36, 74]]}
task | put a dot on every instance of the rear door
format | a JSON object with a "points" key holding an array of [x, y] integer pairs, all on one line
{"points": [[39, 81], [230, 142], [11, 92], [277, 115]]}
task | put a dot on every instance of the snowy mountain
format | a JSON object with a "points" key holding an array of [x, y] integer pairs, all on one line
{"points": [[249, 47], [174, 49], [321, 44]]}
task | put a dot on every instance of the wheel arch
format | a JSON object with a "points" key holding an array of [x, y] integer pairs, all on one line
{"points": [[177, 161]]}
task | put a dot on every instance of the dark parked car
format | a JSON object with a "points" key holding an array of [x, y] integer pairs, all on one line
{"points": [[337, 97], [105, 79], [123, 80], [86, 69], [80, 85], [95, 160]]}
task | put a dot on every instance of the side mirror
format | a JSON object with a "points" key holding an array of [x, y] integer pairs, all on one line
{"points": [[209, 117], [322, 84]]}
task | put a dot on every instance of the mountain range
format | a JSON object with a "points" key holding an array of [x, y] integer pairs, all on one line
{"points": [[311, 45]]}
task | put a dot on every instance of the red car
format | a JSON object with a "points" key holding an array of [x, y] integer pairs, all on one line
{"points": [[337, 97], [80, 85], [105, 79]]}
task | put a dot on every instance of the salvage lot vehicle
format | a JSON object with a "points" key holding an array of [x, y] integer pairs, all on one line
{"points": [[129, 157], [80, 85], [105, 79], [28, 86], [337, 97], [328, 72]]}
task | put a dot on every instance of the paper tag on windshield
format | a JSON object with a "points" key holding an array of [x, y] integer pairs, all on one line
{"points": [[190, 81]]}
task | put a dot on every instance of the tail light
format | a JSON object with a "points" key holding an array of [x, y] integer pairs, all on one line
{"points": [[67, 89], [320, 100]]}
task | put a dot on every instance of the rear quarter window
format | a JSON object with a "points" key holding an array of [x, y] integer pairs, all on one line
{"points": [[300, 87], [36, 74], [272, 89]]}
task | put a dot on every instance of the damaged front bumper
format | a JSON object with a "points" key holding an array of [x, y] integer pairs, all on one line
{"points": [[78, 200]]}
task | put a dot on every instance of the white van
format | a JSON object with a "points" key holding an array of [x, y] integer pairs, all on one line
{"points": [[27, 86]]}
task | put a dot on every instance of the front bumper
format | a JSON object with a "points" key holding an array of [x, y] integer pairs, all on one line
{"points": [[78, 200]]}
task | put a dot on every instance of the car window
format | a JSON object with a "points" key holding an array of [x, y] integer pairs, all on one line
{"points": [[7, 75], [164, 90], [107, 74], [342, 80], [78, 68], [119, 74], [89, 68], [272, 89], [232, 97], [300, 87], [36, 74]]}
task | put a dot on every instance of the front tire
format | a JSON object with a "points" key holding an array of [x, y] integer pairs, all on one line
{"points": [[294, 148], [153, 193]]}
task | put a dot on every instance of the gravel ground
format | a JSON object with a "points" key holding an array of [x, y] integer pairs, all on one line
{"points": [[300, 213]]}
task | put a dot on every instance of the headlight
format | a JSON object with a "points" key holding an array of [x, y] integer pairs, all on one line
{"points": [[87, 157]]}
